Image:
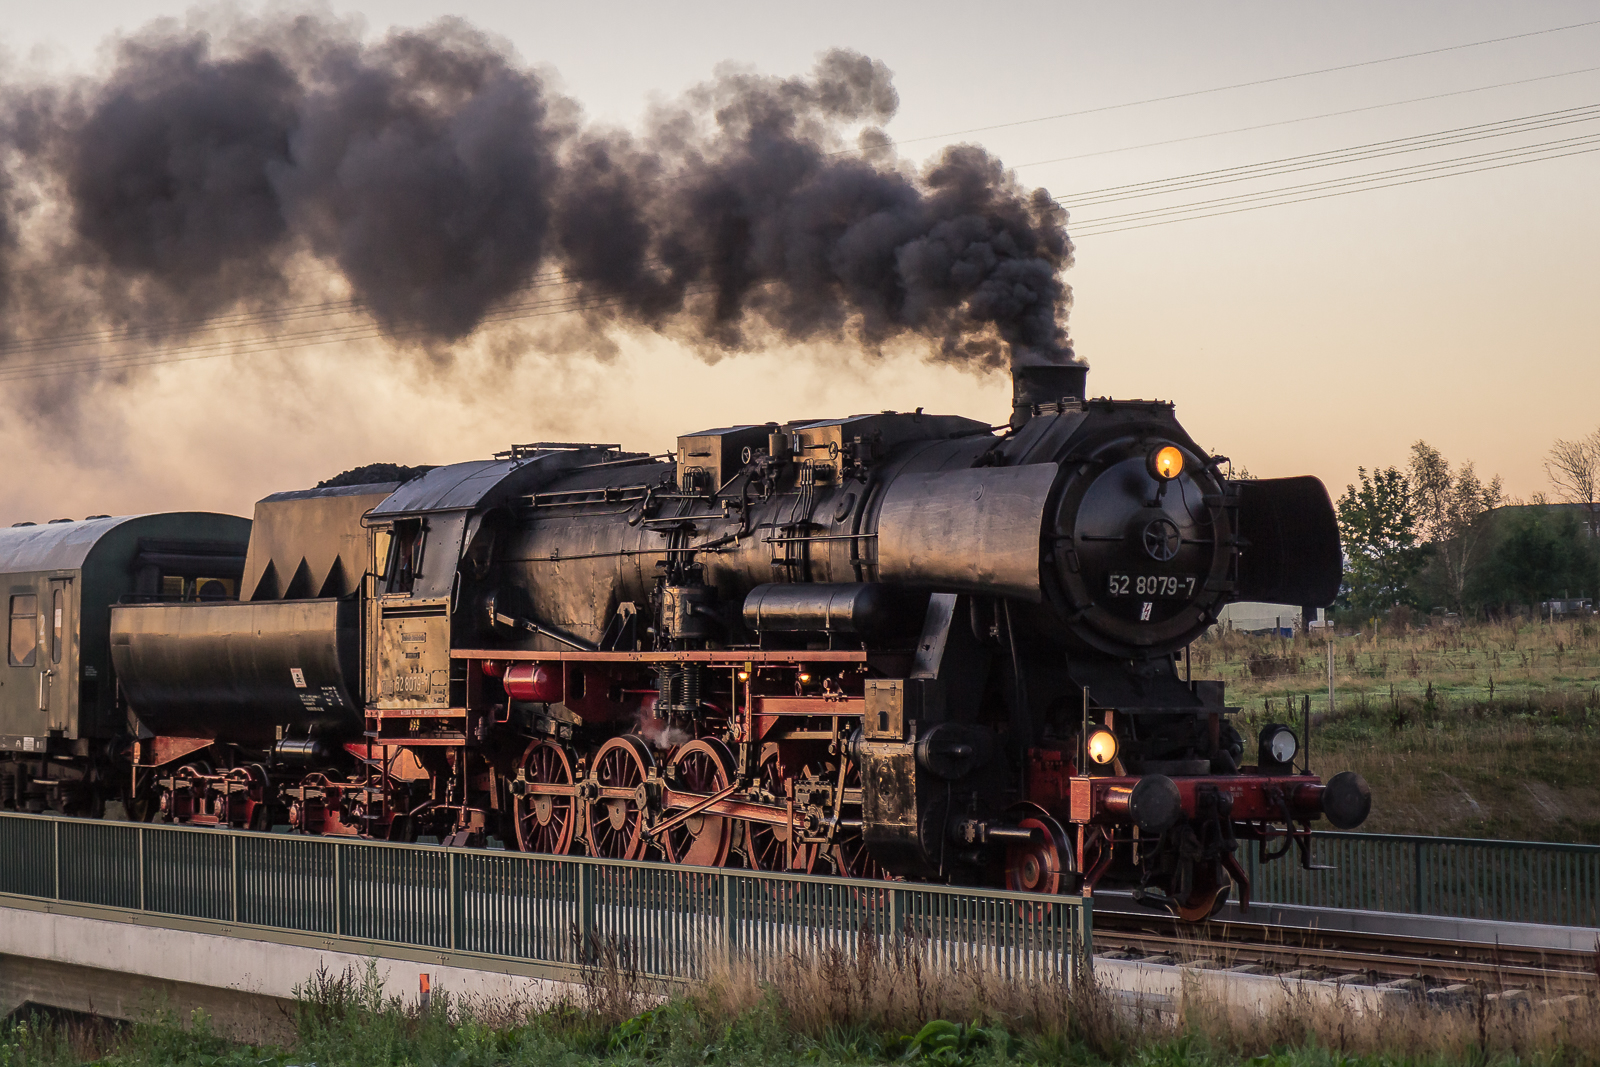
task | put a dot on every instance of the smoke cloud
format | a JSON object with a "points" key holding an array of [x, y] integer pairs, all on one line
{"points": [[266, 174]]}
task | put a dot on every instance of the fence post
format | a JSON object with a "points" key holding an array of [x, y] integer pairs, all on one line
{"points": [[586, 930], [730, 917], [1083, 957], [139, 837], [338, 887], [1416, 865], [233, 865], [55, 848], [457, 896]]}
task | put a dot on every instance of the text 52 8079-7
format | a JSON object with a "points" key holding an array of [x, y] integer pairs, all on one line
{"points": [[1148, 585]]}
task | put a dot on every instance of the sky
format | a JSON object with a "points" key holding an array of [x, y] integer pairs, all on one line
{"points": [[1310, 337]]}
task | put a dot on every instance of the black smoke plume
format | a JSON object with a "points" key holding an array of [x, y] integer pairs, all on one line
{"points": [[198, 183]]}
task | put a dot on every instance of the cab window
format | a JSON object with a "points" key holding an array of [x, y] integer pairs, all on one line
{"points": [[405, 556], [24, 629]]}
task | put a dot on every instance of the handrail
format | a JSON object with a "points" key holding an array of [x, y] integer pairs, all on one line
{"points": [[528, 907], [1480, 842]]}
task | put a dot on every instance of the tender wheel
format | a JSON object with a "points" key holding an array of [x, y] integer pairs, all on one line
{"points": [[546, 822], [702, 767], [614, 818], [768, 844], [1045, 864]]}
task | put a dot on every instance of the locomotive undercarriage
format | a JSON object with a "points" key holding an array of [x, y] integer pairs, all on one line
{"points": [[761, 773]]}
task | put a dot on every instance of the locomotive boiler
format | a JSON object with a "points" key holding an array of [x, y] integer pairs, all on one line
{"points": [[888, 645]]}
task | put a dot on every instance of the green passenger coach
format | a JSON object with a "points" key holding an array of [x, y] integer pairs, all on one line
{"points": [[58, 695]]}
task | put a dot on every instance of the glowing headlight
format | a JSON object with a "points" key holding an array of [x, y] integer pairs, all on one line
{"points": [[1166, 462], [1102, 746], [1277, 744]]}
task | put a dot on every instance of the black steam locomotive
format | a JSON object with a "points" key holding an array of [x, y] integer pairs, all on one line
{"points": [[889, 645]]}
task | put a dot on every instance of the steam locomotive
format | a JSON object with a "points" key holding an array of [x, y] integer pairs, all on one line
{"points": [[890, 645]]}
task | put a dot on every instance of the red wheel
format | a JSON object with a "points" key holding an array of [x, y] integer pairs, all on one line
{"points": [[702, 767], [546, 821], [1045, 864], [614, 817], [768, 845], [1208, 895]]}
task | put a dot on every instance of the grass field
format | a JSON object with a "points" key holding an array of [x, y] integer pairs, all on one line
{"points": [[877, 1008], [1489, 730]]}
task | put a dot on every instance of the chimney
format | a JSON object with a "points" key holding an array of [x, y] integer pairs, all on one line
{"points": [[1044, 378]]}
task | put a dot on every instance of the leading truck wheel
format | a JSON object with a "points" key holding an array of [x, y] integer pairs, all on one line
{"points": [[1047, 863], [545, 821], [1206, 898], [614, 816]]}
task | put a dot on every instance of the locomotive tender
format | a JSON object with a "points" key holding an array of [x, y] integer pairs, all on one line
{"points": [[889, 645]]}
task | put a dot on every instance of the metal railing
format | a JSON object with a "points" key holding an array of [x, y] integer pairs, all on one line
{"points": [[1463, 878], [667, 920]]}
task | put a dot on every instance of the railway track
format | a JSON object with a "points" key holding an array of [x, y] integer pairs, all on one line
{"points": [[1347, 956]]}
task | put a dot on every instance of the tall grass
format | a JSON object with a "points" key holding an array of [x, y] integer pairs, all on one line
{"points": [[1482, 730], [878, 1005]]}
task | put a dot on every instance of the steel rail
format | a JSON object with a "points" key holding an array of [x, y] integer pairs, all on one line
{"points": [[1389, 956]]}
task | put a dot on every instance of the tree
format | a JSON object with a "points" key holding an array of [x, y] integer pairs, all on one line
{"points": [[1574, 469], [1540, 554], [1448, 506], [1378, 525]]}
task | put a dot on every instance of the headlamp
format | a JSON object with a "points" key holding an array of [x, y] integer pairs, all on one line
{"points": [[1277, 745], [1166, 462], [1102, 746]]}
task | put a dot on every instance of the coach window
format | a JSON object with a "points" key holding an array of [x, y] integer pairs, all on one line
{"points": [[57, 605], [24, 629]]}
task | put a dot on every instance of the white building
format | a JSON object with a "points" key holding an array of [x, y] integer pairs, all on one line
{"points": [[1251, 616]]}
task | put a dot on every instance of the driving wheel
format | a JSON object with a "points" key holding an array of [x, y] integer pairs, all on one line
{"points": [[768, 845], [614, 814], [547, 815], [701, 767]]}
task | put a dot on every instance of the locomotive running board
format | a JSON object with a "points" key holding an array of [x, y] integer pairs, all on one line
{"points": [[732, 658]]}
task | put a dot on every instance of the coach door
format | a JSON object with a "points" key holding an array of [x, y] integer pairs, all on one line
{"points": [[56, 672]]}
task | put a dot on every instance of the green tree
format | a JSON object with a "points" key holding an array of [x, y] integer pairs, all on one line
{"points": [[1378, 524], [1540, 554], [1448, 505]]}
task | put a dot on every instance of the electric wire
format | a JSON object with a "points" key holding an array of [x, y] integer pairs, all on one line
{"points": [[1337, 156], [1389, 184], [1249, 84], [1303, 118]]}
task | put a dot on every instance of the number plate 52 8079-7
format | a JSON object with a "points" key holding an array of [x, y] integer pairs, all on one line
{"points": [[1153, 585]]}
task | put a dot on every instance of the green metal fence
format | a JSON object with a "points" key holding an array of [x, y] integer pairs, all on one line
{"points": [[1464, 878], [530, 907]]}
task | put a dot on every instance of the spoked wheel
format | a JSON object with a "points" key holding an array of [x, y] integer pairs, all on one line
{"points": [[1208, 895], [702, 767], [850, 853], [1045, 864], [614, 817], [768, 844], [546, 821]]}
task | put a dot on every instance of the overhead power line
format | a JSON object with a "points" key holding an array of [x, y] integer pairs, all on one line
{"points": [[1304, 118], [1338, 156], [1299, 194], [1248, 84]]}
